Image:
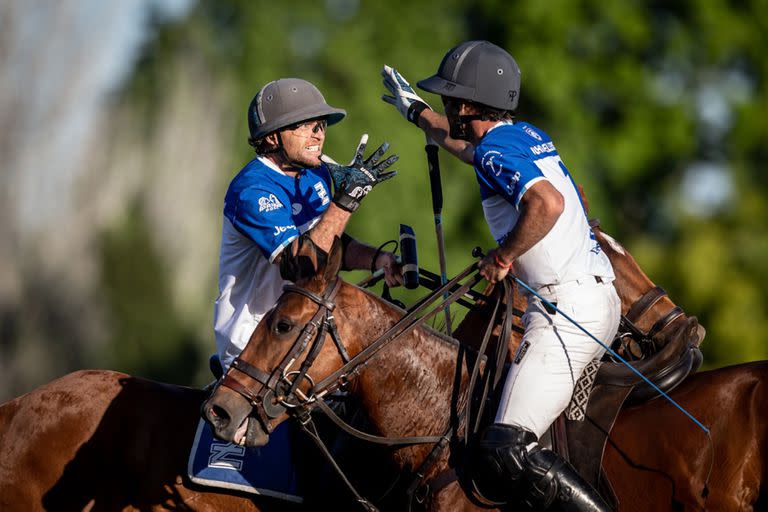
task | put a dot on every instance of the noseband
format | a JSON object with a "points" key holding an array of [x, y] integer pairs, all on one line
{"points": [[280, 389]]}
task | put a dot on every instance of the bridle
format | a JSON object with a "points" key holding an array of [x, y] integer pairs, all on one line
{"points": [[280, 390], [280, 393], [628, 323]]}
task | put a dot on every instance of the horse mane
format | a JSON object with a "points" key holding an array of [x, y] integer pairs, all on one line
{"points": [[401, 312]]}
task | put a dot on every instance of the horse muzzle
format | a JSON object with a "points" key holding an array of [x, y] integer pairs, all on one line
{"points": [[229, 416]]}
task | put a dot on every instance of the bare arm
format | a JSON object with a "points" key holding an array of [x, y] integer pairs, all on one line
{"points": [[435, 125], [331, 225], [540, 207], [360, 256]]}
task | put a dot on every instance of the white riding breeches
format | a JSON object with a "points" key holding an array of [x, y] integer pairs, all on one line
{"points": [[554, 352]]}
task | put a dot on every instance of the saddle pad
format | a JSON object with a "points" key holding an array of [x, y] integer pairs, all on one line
{"points": [[265, 471], [577, 408]]}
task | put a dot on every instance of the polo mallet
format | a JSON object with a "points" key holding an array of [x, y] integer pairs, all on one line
{"points": [[437, 209], [409, 257]]}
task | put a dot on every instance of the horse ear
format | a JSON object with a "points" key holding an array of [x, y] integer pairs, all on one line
{"points": [[584, 200], [335, 256], [302, 260]]}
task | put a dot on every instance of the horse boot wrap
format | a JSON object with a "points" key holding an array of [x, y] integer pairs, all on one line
{"points": [[512, 467]]}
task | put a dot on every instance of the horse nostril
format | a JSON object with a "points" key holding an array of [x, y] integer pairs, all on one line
{"points": [[218, 416]]}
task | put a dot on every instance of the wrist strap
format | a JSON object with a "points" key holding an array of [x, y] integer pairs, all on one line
{"points": [[379, 251], [346, 202], [501, 262], [415, 110]]}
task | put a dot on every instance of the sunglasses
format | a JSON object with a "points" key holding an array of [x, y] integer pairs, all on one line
{"points": [[307, 128]]}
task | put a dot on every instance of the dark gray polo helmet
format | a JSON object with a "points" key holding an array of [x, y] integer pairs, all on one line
{"points": [[478, 71], [287, 101]]}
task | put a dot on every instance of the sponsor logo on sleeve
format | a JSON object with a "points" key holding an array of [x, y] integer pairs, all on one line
{"points": [[283, 229], [269, 203], [491, 162], [322, 193], [513, 181], [533, 133]]}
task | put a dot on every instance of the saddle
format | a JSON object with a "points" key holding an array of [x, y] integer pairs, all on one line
{"points": [[580, 433], [665, 355]]}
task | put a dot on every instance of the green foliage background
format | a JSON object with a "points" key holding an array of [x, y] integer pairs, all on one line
{"points": [[623, 88]]}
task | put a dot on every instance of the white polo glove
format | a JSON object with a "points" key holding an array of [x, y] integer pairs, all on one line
{"points": [[403, 96]]}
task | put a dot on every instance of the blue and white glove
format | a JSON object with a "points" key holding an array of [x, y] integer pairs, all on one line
{"points": [[403, 96], [351, 183]]}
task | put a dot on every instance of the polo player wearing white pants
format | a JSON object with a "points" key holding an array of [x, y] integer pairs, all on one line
{"points": [[534, 212]]}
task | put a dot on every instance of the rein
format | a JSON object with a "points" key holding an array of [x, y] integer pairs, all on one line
{"points": [[280, 391], [628, 323], [639, 308]]}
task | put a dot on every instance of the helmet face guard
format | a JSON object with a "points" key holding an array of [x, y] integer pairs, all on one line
{"points": [[477, 71], [285, 102], [458, 125]]}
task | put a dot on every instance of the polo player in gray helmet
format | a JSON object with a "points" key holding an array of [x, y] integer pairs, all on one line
{"points": [[534, 212], [290, 195]]}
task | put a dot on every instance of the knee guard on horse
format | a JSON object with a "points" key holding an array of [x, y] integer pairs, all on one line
{"points": [[511, 467]]}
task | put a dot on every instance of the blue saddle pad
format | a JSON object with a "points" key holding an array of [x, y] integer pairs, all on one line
{"points": [[266, 471]]}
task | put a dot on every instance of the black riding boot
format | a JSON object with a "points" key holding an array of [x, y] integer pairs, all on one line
{"points": [[555, 485], [512, 467]]}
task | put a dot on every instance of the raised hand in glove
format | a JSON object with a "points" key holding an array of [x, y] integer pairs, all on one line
{"points": [[403, 96], [352, 182]]}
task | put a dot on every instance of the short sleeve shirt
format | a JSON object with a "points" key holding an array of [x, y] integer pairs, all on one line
{"points": [[508, 161], [264, 211]]}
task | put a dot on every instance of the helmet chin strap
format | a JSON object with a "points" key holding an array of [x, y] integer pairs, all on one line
{"points": [[280, 148], [459, 125]]}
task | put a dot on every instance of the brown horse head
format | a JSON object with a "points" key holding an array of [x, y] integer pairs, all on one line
{"points": [[250, 399]]}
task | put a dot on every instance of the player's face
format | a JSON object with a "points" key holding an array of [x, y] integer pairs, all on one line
{"points": [[303, 142]]}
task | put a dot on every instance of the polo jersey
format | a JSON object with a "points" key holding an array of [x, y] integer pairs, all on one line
{"points": [[508, 161], [264, 211]]}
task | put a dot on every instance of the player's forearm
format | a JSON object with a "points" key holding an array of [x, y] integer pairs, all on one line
{"points": [[435, 125], [536, 220], [359, 255], [332, 224]]}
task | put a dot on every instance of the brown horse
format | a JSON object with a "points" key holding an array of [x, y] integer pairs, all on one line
{"points": [[657, 458], [103, 440]]}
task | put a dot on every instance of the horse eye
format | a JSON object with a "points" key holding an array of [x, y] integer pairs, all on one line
{"points": [[283, 326]]}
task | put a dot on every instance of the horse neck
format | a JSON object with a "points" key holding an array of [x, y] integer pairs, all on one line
{"points": [[631, 282], [406, 388]]}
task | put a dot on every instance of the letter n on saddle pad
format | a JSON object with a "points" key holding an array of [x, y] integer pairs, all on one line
{"points": [[268, 471]]}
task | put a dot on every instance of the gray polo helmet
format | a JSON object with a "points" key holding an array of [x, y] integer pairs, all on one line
{"points": [[287, 101], [477, 71]]}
